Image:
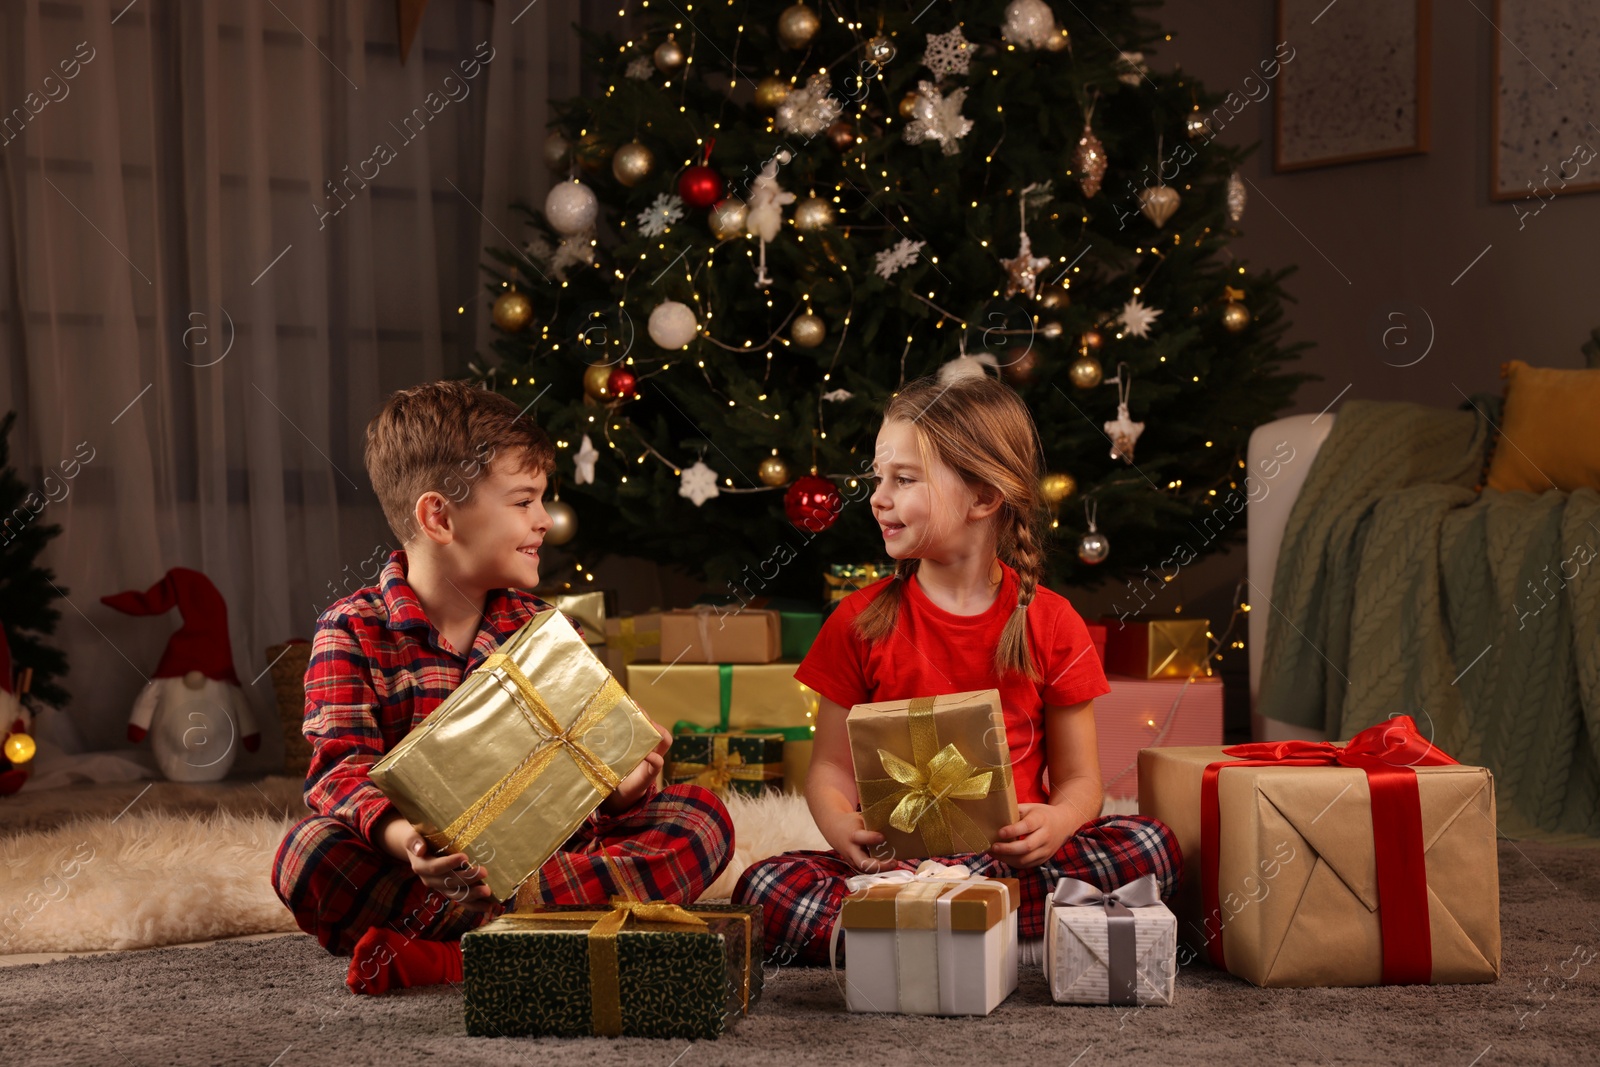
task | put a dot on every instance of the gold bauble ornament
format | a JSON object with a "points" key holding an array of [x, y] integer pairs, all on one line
{"points": [[1085, 372], [1056, 487], [591, 153], [808, 330], [19, 748], [1235, 316], [770, 92], [563, 522], [668, 56], [1092, 338], [1054, 297], [1052, 330], [773, 471], [908, 106], [1158, 203], [512, 311], [813, 213], [1195, 125], [727, 218], [633, 163], [1056, 41], [1022, 370], [797, 25], [880, 50], [557, 151], [842, 136], [595, 378]]}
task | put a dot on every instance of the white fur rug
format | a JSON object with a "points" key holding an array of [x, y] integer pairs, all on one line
{"points": [[147, 879]]}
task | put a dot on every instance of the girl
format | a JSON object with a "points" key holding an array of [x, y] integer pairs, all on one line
{"points": [[957, 498]]}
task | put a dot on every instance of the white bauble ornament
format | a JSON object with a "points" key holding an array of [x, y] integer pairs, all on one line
{"points": [[672, 325], [571, 208], [1029, 23]]}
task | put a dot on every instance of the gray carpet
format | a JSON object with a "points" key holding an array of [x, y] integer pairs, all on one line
{"points": [[284, 1002]]}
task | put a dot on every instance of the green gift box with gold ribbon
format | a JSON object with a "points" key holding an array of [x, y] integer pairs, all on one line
{"points": [[749, 763], [647, 969], [934, 773], [518, 756]]}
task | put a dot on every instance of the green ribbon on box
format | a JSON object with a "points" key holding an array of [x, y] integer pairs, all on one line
{"points": [[725, 699]]}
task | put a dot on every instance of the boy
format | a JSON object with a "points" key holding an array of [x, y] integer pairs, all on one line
{"points": [[461, 474]]}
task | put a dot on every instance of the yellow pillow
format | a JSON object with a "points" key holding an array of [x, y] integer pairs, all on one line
{"points": [[1549, 431]]}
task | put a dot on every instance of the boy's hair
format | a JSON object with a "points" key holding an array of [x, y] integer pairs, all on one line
{"points": [[442, 437], [979, 428]]}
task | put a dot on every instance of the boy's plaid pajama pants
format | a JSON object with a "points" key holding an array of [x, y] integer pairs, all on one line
{"points": [[670, 846], [800, 892]]}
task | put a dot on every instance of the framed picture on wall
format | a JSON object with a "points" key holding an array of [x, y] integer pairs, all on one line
{"points": [[1356, 87], [1546, 106]]}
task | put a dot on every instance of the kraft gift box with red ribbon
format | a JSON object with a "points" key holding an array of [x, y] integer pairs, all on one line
{"points": [[1119, 947], [1319, 864], [933, 773], [705, 634], [940, 941]]}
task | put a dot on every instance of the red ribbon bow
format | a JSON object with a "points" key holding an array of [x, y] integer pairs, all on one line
{"points": [[1387, 752]]}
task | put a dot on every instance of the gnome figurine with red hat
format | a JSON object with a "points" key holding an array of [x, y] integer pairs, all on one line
{"points": [[16, 747], [193, 707]]}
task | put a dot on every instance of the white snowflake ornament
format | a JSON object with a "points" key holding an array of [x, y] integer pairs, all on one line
{"points": [[938, 117], [811, 110], [836, 396], [699, 483], [641, 68], [584, 459], [572, 251], [654, 220], [948, 53], [890, 260], [1137, 319]]}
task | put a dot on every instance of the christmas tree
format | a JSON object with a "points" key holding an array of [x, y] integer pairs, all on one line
{"points": [[776, 215], [27, 590]]}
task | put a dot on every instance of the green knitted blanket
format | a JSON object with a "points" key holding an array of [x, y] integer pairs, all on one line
{"points": [[1400, 590]]}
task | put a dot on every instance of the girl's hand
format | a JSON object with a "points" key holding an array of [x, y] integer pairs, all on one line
{"points": [[453, 877], [847, 834], [1035, 837], [638, 782]]}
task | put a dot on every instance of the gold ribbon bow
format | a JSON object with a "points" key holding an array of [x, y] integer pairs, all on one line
{"points": [[725, 768], [919, 797], [629, 641], [605, 983], [486, 809]]}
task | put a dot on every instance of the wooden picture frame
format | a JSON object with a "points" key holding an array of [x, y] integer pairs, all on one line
{"points": [[1535, 128], [1347, 94]]}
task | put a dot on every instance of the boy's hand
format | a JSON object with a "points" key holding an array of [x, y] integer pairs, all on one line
{"points": [[848, 835], [637, 783], [452, 876], [1036, 836]]}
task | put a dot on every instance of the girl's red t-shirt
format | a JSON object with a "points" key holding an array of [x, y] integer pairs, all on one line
{"points": [[932, 652]]}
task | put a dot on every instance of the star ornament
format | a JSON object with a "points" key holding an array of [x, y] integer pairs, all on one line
{"points": [[699, 483], [948, 53], [1124, 434], [584, 459], [1023, 269], [1136, 319]]}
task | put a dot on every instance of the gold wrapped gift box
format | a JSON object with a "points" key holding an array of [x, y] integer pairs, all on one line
{"points": [[1157, 648], [733, 697], [934, 773], [518, 756], [1297, 884], [589, 608]]}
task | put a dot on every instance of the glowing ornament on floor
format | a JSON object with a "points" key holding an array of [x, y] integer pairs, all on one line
{"points": [[571, 208], [699, 483], [512, 311], [812, 503], [672, 325], [19, 747]]}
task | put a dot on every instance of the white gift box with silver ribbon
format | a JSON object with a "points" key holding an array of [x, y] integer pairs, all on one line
{"points": [[1110, 948], [934, 959]]}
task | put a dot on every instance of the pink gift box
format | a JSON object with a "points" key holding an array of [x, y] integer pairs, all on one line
{"points": [[1158, 713]]}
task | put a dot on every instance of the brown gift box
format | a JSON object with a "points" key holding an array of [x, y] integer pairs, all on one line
{"points": [[1157, 648], [707, 635], [976, 908], [934, 773], [631, 638], [1297, 876]]}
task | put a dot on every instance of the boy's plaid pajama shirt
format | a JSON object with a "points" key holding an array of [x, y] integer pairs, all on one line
{"points": [[377, 670], [801, 892]]}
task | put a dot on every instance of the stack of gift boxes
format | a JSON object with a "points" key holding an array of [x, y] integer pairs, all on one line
{"points": [[1305, 864]]}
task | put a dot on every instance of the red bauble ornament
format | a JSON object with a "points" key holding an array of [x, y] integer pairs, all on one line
{"points": [[700, 187], [620, 383], [812, 503]]}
